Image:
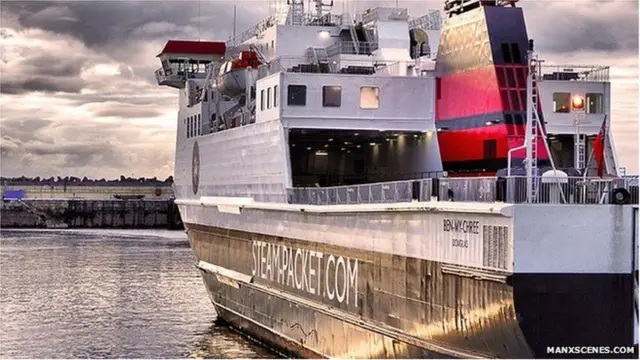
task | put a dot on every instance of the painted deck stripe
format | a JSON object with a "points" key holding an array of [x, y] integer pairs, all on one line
{"points": [[433, 206]]}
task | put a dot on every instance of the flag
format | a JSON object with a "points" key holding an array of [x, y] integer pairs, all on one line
{"points": [[598, 147]]}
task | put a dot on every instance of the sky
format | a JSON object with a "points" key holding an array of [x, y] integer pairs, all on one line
{"points": [[78, 96]]}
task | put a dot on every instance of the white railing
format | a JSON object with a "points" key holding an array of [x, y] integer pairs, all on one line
{"points": [[575, 72], [431, 21], [387, 192], [577, 190], [349, 47]]}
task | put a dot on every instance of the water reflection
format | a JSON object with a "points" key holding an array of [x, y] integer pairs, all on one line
{"points": [[107, 294]]}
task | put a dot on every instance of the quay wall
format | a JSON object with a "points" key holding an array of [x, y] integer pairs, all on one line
{"points": [[93, 213], [89, 192]]}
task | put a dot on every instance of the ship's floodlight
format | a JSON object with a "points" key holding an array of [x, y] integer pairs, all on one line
{"points": [[324, 34], [577, 102]]}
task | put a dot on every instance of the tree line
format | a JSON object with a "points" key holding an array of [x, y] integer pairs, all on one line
{"points": [[85, 181]]}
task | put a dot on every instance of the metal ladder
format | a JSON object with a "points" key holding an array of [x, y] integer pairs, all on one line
{"points": [[354, 38], [535, 135], [580, 146], [534, 128]]}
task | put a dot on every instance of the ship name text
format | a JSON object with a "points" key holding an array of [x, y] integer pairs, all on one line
{"points": [[326, 275], [461, 226]]}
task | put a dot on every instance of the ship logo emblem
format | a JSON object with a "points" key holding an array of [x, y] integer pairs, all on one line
{"points": [[195, 168]]}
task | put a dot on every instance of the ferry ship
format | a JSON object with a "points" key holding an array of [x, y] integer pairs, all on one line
{"points": [[374, 185]]}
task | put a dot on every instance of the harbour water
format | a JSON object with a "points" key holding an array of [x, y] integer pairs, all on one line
{"points": [[108, 294]]}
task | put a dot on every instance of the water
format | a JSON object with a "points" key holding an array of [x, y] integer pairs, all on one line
{"points": [[108, 294]]}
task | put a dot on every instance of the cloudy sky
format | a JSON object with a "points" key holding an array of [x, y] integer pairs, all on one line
{"points": [[78, 96]]}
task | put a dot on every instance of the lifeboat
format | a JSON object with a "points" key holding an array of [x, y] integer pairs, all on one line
{"points": [[233, 77]]}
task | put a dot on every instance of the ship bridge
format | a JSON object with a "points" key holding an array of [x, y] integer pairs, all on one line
{"points": [[182, 60]]}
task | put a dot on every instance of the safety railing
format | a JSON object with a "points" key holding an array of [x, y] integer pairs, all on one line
{"points": [[332, 65], [567, 190], [349, 47], [575, 72], [388, 192]]}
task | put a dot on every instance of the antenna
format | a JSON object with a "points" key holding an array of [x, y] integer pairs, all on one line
{"points": [[234, 21]]}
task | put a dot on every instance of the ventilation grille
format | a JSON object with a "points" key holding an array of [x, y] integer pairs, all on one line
{"points": [[495, 242]]}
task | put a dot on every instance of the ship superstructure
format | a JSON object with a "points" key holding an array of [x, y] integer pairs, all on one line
{"points": [[376, 185]]}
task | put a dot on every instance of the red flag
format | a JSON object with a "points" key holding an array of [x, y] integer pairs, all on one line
{"points": [[598, 147]]}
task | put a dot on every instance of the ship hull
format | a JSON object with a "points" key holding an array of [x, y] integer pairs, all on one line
{"points": [[401, 307]]}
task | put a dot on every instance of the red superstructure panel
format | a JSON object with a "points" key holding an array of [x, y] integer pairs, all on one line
{"points": [[194, 47], [468, 144], [468, 93]]}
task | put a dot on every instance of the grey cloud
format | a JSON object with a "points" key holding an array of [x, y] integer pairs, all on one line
{"points": [[20, 86], [565, 27], [26, 149], [25, 130], [99, 24], [47, 65], [127, 112]]}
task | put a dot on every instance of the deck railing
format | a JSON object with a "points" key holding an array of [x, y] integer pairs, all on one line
{"points": [[569, 190], [575, 72]]}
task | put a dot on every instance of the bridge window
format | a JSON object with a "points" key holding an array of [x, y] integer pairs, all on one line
{"points": [[268, 98], [275, 96], [297, 95], [515, 50], [490, 149], [262, 99], [369, 97], [506, 53], [199, 126], [595, 103], [331, 96], [561, 102]]}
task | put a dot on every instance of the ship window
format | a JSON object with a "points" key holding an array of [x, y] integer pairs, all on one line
{"points": [[188, 127], [518, 119], [506, 54], [505, 100], [262, 99], [297, 95], [595, 103], [331, 96], [490, 149], [275, 96], [268, 98], [515, 50], [511, 79], [561, 102], [515, 100], [369, 97], [273, 47], [501, 79], [199, 126]]}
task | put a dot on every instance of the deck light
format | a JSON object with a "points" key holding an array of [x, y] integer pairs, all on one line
{"points": [[577, 102]]}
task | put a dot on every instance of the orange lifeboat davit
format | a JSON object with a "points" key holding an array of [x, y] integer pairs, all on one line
{"points": [[235, 74]]}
